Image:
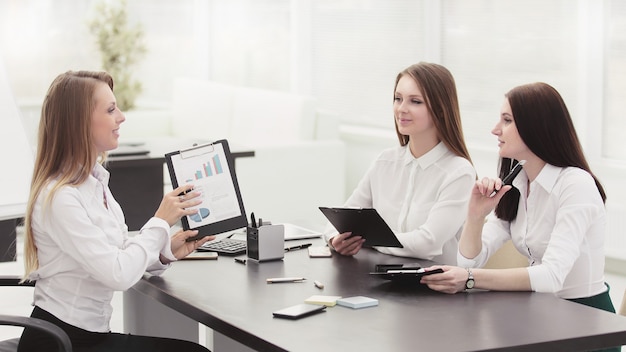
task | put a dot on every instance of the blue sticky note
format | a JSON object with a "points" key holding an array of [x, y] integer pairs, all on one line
{"points": [[357, 302]]}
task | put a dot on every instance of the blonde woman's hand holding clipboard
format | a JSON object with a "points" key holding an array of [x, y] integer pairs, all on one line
{"points": [[175, 204]]}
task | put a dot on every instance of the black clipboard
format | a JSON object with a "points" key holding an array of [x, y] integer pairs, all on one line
{"points": [[364, 222], [211, 169], [402, 272]]}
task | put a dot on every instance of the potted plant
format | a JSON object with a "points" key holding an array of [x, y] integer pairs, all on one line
{"points": [[121, 47]]}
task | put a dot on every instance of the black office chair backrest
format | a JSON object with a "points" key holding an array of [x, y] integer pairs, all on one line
{"points": [[63, 341]]}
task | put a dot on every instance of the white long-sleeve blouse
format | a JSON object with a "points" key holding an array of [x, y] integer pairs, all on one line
{"points": [[85, 252], [423, 200], [560, 228]]}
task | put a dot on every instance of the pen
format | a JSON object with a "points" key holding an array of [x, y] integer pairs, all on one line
{"points": [[302, 246], [508, 179], [239, 260], [318, 284], [252, 220], [185, 192], [275, 280]]}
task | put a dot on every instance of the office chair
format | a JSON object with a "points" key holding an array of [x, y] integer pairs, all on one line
{"points": [[63, 341]]}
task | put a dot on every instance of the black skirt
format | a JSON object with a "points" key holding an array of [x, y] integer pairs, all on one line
{"points": [[33, 340]]}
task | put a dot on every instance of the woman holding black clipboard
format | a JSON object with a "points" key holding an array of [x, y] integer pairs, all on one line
{"points": [[553, 212], [421, 187], [77, 246]]}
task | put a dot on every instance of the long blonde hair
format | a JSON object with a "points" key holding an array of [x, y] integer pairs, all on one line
{"points": [[65, 151]]}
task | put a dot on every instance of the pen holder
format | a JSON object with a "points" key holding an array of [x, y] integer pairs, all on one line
{"points": [[266, 243]]}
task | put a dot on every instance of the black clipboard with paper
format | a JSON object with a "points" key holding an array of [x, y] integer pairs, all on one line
{"points": [[210, 169], [364, 222]]}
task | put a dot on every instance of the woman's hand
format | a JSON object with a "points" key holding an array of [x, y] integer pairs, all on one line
{"points": [[452, 280], [181, 248], [346, 245], [174, 206], [483, 201]]}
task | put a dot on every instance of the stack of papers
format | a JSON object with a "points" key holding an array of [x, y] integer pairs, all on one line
{"points": [[357, 302]]}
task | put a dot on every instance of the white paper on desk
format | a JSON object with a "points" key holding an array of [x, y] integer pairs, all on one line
{"points": [[208, 171]]}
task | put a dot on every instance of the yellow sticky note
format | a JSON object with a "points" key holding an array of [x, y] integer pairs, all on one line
{"points": [[328, 301]]}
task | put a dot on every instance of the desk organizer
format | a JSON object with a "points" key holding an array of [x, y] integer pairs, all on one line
{"points": [[266, 242]]}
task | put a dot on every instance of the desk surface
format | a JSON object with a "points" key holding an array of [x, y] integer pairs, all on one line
{"points": [[235, 300]]}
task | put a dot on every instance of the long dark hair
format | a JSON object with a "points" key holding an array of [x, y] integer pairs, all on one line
{"points": [[439, 90], [545, 126]]}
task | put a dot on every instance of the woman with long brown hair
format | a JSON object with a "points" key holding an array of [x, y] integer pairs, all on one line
{"points": [[553, 212], [421, 187]]}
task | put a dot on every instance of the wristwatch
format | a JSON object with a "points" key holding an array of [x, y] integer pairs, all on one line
{"points": [[469, 284]]}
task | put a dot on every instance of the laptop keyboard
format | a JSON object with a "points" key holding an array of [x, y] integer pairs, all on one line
{"points": [[226, 246]]}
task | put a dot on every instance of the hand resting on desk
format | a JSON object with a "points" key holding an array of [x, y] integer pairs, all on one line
{"points": [[452, 280]]}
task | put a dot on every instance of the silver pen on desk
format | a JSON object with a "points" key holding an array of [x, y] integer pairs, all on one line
{"points": [[274, 280]]}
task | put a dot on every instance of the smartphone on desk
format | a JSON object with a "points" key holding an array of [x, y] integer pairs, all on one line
{"points": [[299, 311]]}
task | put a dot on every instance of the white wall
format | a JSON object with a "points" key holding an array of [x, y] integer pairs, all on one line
{"points": [[16, 156]]}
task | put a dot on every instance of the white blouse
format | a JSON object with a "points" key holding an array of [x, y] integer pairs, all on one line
{"points": [[560, 228], [423, 200], [85, 253]]}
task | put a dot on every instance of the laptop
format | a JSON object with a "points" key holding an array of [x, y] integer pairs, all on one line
{"points": [[295, 232], [234, 242]]}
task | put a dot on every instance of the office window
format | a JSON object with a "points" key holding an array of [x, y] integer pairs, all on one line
{"points": [[37, 46], [493, 46], [613, 146], [250, 43], [358, 47]]}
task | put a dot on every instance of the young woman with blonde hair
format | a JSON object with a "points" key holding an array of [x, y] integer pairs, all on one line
{"points": [[77, 246]]}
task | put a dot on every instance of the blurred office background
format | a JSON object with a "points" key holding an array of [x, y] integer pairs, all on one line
{"points": [[346, 54]]}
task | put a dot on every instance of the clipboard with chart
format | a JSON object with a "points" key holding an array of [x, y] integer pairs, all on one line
{"points": [[210, 169]]}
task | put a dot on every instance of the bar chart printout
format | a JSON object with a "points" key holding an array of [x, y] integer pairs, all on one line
{"points": [[208, 171], [209, 168]]}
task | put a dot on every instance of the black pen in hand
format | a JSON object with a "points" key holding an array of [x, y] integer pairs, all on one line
{"points": [[301, 246], [508, 179]]}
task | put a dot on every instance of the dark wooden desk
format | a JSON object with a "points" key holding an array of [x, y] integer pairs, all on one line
{"points": [[234, 300]]}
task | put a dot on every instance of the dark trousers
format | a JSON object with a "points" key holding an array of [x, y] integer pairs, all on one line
{"points": [[87, 341], [601, 301]]}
